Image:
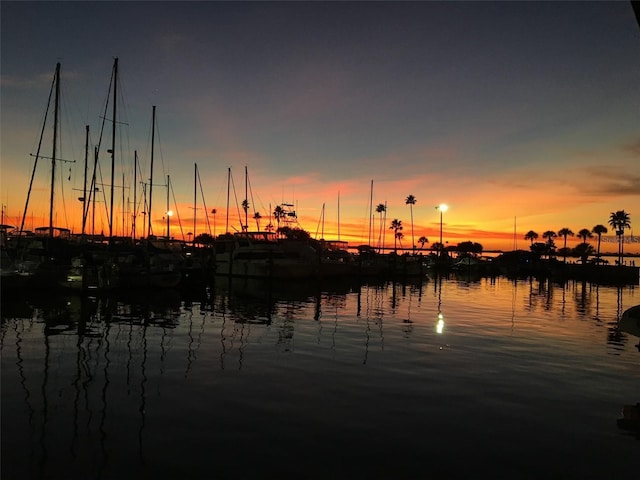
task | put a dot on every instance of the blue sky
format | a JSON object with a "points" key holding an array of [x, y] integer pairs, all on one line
{"points": [[527, 110]]}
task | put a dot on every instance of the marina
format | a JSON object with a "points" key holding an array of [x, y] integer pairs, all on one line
{"points": [[431, 271]]}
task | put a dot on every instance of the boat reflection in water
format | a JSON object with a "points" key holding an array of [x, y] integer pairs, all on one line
{"points": [[245, 378]]}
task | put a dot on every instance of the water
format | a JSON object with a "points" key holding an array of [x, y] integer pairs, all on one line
{"points": [[520, 379]]}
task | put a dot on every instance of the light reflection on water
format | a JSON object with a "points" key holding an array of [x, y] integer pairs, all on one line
{"points": [[244, 380]]}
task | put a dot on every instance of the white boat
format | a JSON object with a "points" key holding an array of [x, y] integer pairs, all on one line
{"points": [[263, 255]]}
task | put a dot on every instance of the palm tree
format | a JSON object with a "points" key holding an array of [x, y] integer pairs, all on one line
{"points": [[400, 236], [531, 235], [549, 235], [245, 207], [396, 226], [279, 213], [599, 230], [584, 234], [565, 232], [422, 240], [214, 211], [583, 250], [619, 221], [257, 217], [411, 201], [381, 208]]}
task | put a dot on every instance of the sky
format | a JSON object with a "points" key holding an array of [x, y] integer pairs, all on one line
{"points": [[518, 115]]}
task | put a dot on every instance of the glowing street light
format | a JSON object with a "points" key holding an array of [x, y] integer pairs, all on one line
{"points": [[443, 207], [169, 215]]}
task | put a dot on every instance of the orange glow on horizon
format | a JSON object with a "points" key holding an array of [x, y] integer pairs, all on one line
{"points": [[356, 231]]}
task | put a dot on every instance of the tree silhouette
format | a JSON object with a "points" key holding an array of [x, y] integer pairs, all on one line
{"points": [[294, 233], [584, 234], [531, 235], [396, 226], [565, 232], [619, 221], [583, 251], [381, 208], [204, 239], [473, 248], [278, 213], [245, 207], [214, 211], [549, 235], [539, 248], [599, 230], [411, 201], [422, 240], [257, 217]]}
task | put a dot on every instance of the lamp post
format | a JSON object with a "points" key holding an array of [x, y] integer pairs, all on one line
{"points": [[443, 208], [169, 214]]}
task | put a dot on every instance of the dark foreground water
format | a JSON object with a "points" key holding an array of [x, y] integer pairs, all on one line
{"points": [[444, 378]]}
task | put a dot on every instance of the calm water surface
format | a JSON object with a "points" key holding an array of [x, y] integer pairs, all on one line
{"points": [[439, 378]]}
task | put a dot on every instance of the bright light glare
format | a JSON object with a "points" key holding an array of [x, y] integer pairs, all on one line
{"points": [[170, 213], [440, 324], [443, 207]]}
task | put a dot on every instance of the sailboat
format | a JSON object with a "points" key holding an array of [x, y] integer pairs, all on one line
{"points": [[148, 263], [44, 255]]}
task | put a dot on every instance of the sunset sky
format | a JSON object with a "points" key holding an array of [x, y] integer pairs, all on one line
{"points": [[518, 115]]}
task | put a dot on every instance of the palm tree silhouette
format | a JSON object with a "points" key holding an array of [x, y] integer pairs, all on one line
{"points": [[411, 201], [279, 213], [396, 226], [245, 207], [422, 240], [257, 217], [549, 235], [381, 208], [214, 211], [565, 232], [584, 234], [619, 221], [584, 250], [599, 230], [531, 235]]}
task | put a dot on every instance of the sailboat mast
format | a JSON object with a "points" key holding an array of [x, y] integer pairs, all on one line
{"points": [[246, 199], [153, 135], [35, 164], [338, 216], [195, 191], [113, 142], [94, 189], [124, 208], [135, 196], [169, 213], [84, 185], [370, 212], [56, 114], [228, 189]]}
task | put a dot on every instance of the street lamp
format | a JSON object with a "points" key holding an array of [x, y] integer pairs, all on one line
{"points": [[443, 208], [169, 215]]}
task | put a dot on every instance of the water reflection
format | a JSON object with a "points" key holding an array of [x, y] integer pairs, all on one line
{"points": [[92, 382]]}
